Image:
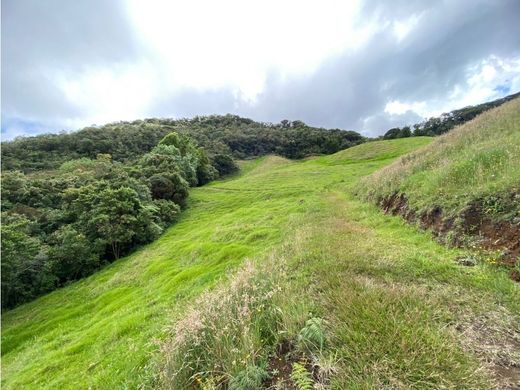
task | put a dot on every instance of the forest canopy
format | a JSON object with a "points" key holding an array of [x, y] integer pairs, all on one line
{"points": [[220, 136], [61, 225], [442, 124]]}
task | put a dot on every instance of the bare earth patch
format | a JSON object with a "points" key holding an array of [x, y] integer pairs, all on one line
{"points": [[492, 235], [494, 339]]}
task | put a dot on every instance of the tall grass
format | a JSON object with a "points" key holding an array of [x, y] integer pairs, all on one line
{"points": [[226, 331], [476, 162]]}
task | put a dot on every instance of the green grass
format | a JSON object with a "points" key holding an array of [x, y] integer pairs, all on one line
{"points": [[476, 162], [392, 293]]}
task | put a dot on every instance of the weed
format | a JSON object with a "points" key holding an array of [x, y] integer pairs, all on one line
{"points": [[312, 336], [301, 377], [251, 378]]}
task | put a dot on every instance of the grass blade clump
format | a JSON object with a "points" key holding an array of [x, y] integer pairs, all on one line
{"points": [[222, 337]]}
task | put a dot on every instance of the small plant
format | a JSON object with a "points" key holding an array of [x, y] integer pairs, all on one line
{"points": [[249, 379], [312, 336], [326, 366], [301, 377]]}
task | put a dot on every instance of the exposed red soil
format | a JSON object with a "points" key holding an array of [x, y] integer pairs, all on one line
{"points": [[492, 235]]}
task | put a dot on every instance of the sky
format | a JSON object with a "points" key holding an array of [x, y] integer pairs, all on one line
{"points": [[357, 65]]}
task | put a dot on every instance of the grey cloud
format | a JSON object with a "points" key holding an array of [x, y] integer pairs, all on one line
{"points": [[352, 90], [41, 38], [349, 91], [426, 65]]}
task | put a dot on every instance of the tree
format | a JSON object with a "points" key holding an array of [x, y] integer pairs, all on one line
{"points": [[166, 212], [392, 133], [25, 270], [205, 171], [169, 186], [405, 132], [72, 254], [113, 215], [224, 164]]}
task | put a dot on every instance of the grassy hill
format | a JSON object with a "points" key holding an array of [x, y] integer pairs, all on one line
{"points": [[391, 304], [465, 182]]}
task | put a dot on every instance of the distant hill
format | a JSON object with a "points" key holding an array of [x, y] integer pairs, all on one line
{"points": [[447, 121], [228, 134]]}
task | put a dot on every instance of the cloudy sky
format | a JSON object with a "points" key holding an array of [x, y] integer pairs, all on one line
{"points": [[358, 65]]}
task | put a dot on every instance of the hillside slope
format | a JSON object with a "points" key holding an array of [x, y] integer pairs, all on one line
{"points": [[366, 273], [466, 182]]}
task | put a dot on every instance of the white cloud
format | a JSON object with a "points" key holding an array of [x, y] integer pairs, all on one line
{"points": [[401, 28], [236, 44], [485, 81], [396, 107], [120, 92]]}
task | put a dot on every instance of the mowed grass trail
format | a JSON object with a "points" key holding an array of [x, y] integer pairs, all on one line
{"points": [[104, 331], [99, 332]]}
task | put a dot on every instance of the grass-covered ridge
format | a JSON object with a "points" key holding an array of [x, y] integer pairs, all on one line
{"points": [[478, 162], [393, 299]]}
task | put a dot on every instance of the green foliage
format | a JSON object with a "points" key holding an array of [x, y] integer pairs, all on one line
{"points": [[442, 124], [312, 336], [301, 377], [227, 135], [206, 172], [171, 139], [25, 271], [165, 212], [89, 212], [224, 164], [72, 254], [113, 215], [251, 378]]}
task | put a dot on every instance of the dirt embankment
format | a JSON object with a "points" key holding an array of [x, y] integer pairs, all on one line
{"points": [[490, 235]]}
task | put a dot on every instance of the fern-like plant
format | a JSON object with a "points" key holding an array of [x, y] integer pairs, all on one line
{"points": [[249, 379], [312, 336], [301, 377]]}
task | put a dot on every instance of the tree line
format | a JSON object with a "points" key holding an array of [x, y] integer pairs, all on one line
{"points": [[221, 136], [442, 124]]}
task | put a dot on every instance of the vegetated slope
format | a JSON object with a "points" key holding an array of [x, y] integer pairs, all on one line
{"points": [[61, 225], [219, 135], [53, 340], [447, 121], [466, 182], [394, 300]]}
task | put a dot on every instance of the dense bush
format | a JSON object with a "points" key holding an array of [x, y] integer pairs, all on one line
{"points": [[62, 225]]}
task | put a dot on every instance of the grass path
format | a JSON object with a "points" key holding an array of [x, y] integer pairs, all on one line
{"points": [[403, 314], [101, 332]]}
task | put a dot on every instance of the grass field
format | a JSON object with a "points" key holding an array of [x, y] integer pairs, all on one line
{"points": [[396, 301]]}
